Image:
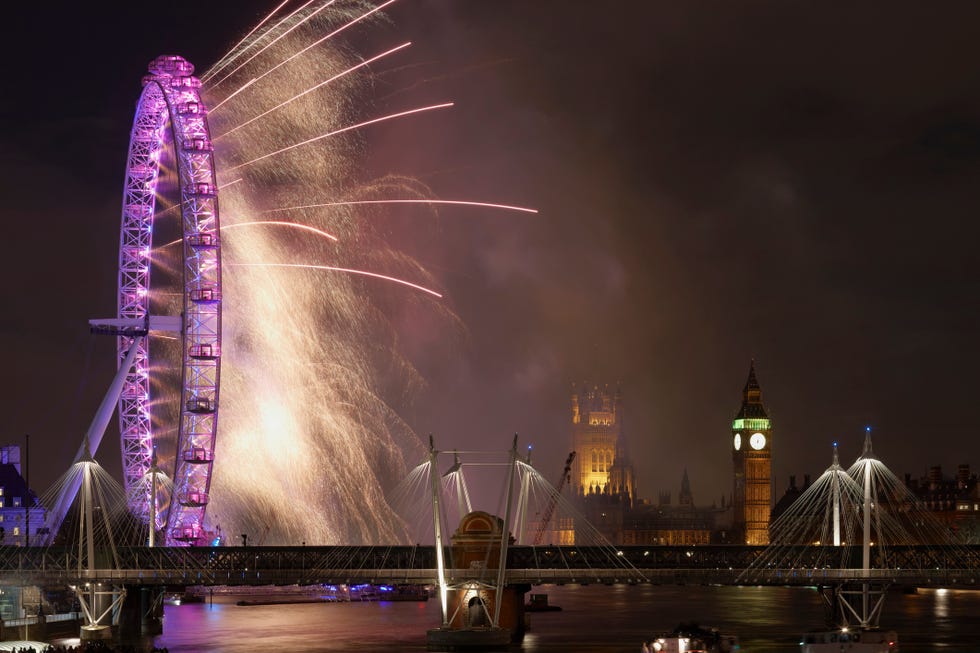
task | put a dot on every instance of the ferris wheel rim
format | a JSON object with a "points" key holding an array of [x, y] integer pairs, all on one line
{"points": [[171, 113]]}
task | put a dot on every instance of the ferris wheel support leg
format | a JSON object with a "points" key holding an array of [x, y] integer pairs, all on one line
{"points": [[90, 444], [101, 420]]}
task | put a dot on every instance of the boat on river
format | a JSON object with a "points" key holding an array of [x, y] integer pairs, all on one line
{"points": [[847, 640], [857, 606], [692, 638]]}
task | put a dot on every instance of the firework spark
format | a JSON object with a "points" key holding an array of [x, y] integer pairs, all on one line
{"points": [[336, 132], [308, 443], [319, 41], [230, 183], [307, 446], [240, 89], [299, 24], [488, 205], [281, 223], [228, 56], [314, 88], [331, 268]]}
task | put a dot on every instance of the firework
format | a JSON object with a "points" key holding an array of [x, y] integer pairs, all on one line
{"points": [[309, 440]]}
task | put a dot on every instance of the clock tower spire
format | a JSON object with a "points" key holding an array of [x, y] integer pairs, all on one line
{"points": [[752, 461]]}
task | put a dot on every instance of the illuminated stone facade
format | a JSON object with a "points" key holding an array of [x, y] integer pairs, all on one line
{"points": [[953, 502], [671, 525], [20, 510], [601, 465], [601, 477], [752, 458], [603, 481]]}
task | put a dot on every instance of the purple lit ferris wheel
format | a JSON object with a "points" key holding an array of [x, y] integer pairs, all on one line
{"points": [[171, 126]]}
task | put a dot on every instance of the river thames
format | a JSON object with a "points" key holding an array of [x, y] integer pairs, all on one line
{"points": [[593, 619]]}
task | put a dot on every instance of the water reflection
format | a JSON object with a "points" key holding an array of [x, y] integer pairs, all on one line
{"points": [[941, 605], [593, 619]]}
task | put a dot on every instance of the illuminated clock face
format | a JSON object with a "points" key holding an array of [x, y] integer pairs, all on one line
{"points": [[738, 441], [757, 441]]}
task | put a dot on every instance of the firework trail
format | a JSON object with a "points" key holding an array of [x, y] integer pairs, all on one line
{"points": [[308, 443]]}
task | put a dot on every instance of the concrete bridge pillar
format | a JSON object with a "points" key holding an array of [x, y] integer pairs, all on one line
{"points": [[141, 613], [98, 602], [128, 627], [151, 609], [102, 603]]}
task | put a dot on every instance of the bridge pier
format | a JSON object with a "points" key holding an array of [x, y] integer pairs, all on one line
{"points": [[100, 604], [141, 613], [471, 602], [151, 608], [473, 594]]}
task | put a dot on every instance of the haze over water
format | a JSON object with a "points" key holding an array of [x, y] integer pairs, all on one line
{"points": [[594, 619]]}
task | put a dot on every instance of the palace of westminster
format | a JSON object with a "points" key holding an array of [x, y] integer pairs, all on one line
{"points": [[602, 481]]}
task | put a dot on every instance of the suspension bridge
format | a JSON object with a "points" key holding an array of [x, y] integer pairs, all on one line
{"points": [[816, 543]]}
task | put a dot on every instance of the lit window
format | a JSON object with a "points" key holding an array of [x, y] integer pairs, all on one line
{"points": [[16, 530], [16, 502]]}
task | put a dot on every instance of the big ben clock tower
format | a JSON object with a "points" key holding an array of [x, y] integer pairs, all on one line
{"points": [[752, 458]]}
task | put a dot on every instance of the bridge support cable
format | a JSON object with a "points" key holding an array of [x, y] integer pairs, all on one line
{"points": [[456, 484], [553, 503]]}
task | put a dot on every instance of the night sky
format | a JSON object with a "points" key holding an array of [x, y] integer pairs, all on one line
{"points": [[794, 183]]}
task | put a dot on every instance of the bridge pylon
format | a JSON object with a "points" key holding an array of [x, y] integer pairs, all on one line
{"points": [[485, 611], [100, 602]]}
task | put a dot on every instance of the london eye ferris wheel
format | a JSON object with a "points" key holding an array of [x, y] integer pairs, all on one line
{"points": [[170, 149]]}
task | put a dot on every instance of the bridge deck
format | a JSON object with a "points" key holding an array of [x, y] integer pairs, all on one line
{"points": [[727, 565]]}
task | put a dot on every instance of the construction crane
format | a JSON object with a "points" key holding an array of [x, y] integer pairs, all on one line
{"points": [[550, 509]]}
